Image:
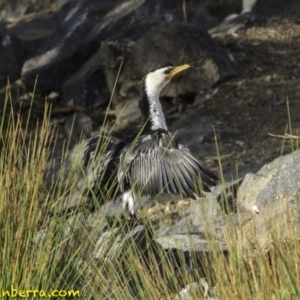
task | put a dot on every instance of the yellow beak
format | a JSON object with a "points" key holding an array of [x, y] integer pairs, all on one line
{"points": [[177, 70]]}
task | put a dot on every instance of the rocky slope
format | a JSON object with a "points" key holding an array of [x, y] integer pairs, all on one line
{"points": [[243, 93]]}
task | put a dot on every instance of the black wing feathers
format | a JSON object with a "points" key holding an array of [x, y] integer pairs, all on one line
{"points": [[158, 164], [152, 164]]}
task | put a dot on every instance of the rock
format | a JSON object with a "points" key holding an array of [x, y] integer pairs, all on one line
{"points": [[193, 130], [278, 222], [11, 57], [113, 251], [78, 125], [198, 133], [87, 87], [203, 18], [222, 9], [248, 5], [139, 236], [82, 25], [232, 24], [268, 8], [226, 195], [33, 31], [60, 3], [117, 249], [113, 54], [127, 114], [251, 165], [13, 9], [17, 90], [280, 178], [194, 290], [61, 164], [202, 219], [164, 43]]}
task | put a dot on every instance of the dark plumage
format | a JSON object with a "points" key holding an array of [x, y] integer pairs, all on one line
{"points": [[151, 162]]}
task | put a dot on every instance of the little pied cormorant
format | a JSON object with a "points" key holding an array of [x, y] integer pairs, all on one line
{"points": [[151, 162]]}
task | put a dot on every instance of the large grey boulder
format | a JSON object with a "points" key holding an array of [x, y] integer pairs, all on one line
{"points": [[203, 219], [278, 222], [280, 178]]}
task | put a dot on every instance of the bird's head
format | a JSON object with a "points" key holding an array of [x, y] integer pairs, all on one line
{"points": [[159, 77], [152, 85]]}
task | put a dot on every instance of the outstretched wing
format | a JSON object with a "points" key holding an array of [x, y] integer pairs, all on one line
{"points": [[100, 161], [156, 164]]}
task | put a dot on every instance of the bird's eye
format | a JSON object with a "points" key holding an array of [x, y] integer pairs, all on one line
{"points": [[167, 71]]}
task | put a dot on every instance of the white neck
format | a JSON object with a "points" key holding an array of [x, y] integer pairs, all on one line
{"points": [[157, 117]]}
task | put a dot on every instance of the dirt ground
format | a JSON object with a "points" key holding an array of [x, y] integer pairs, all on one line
{"points": [[264, 98]]}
